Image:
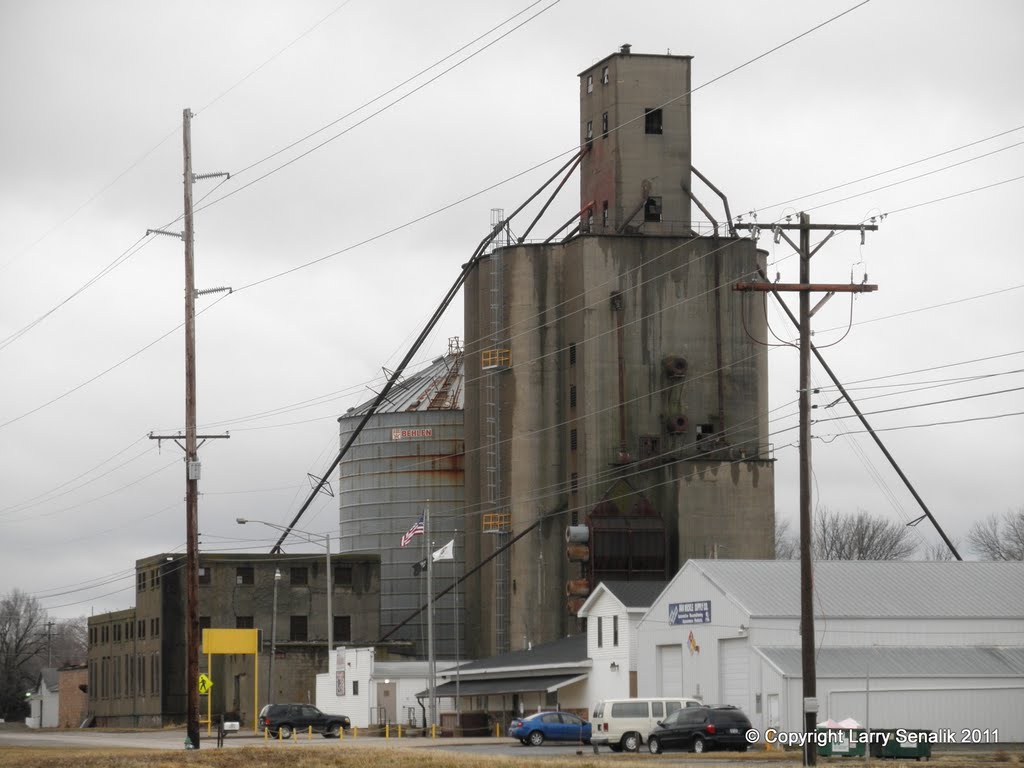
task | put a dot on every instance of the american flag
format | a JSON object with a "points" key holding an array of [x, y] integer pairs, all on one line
{"points": [[416, 530]]}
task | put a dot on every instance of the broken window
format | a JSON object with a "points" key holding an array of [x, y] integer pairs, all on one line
{"points": [[652, 209], [652, 121]]}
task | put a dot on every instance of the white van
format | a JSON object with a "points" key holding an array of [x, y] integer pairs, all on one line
{"points": [[623, 724]]}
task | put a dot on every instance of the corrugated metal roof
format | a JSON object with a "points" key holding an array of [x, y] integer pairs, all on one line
{"points": [[922, 661], [636, 594], [868, 588], [438, 387], [568, 651], [504, 685]]}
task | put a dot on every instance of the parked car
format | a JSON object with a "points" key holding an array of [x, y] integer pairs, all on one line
{"points": [[701, 729], [285, 719], [554, 726], [622, 724]]}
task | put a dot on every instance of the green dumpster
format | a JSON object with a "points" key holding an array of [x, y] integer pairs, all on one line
{"points": [[840, 742], [901, 742]]}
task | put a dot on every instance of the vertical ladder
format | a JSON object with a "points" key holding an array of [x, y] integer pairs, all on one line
{"points": [[498, 522]]}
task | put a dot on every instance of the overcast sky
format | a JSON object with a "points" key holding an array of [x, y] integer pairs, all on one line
{"points": [[339, 257]]}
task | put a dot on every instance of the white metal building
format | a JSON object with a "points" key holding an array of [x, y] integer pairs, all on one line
{"points": [[929, 645]]}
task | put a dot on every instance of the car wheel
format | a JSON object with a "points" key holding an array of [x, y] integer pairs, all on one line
{"points": [[653, 745], [333, 729], [284, 731], [536, 738], [631, 742], [699, 745]]}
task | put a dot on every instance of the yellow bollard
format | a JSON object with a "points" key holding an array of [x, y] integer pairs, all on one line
{"points": [[266, 734], [387, 730], [355, 733], [399, 730], [279, 736], [309, 734], [433, 731], [341, 734]]}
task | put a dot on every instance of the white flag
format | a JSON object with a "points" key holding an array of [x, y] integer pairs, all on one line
{"points": [[447, 552]]}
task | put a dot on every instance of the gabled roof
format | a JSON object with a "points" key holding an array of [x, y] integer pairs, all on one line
{"points": [[567, 653], [48, 677], [635, 596], [890, 661], [872, 588]]}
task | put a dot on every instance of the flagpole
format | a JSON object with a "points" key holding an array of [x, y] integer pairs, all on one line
{"points": [[430, 617]]}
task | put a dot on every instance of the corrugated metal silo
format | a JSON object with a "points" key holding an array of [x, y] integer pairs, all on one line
{"points": [[409, 455]]}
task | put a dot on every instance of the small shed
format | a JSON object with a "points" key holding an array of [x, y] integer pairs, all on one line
{"points": [[44, 701]]}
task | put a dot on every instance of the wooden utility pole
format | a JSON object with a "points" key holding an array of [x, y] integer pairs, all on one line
{"points": [[804, 288], [191, 455], [192, 466]]}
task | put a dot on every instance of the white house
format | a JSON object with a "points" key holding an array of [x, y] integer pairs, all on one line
{"points": [[929, 645], [375, 692], [44, 701], [613, 611]]}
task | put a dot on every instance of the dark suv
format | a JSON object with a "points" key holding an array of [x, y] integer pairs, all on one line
{"points": [[701, 729], [285, 719]]}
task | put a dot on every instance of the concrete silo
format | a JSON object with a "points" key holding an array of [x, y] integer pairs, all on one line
{"points": [[408, 456]]}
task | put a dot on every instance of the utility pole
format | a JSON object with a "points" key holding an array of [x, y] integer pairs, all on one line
{"points": [[192, 466], [805, 288]]}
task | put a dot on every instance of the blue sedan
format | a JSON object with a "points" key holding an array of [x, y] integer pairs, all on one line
{"points": [[556, 726]]}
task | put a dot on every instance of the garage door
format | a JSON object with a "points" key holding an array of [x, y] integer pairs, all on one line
{"points": [[670, 670], [734, 673]]}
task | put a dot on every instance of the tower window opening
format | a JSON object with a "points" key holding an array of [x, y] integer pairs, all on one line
{"points": [[604, 76], [604, 214], [604, 125], [652, 121], [572, 439], [590, 129], [652, 209], [572, 354], [590, 83], [572, 396]]}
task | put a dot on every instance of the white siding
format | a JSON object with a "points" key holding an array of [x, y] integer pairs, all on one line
{"points": [[605, 681]]}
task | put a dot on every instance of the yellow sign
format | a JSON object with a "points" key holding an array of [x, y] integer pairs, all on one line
{"points": [[205, 683], [230, 641]]}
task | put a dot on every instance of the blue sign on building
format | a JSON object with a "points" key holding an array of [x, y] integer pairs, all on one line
{"points": [[698, 612]]}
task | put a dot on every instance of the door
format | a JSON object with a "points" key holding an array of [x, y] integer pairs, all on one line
{"points": [[734, 677], [670, 670], [387, 699], [773, 710]]}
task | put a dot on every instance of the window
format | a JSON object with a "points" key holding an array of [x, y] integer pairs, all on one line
{"points": [[572, 396], [652, 209], [343, 575], [572, 354], [604, 125], [574, 482], [142, 674], [156, 627], [204, 575], [615, 631], [590, 129], [142, 629], [299, 577], [243, 575], [590, 219], [131, 630], [299, 629], [600, 633], [572, 439], [355, 687], [652, 121], [590, 83], [604, 214], [154, 674], [140, 581], [342, 629], [657, 709], [243, 622], [604, 76]]}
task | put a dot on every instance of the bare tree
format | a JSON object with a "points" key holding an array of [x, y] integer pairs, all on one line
{"points": [[939, 551], [999, 537], [862, 536], [22, 641], [787, 543]]}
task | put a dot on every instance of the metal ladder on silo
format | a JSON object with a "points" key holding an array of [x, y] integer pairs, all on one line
{"points": [[494, 361]]}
